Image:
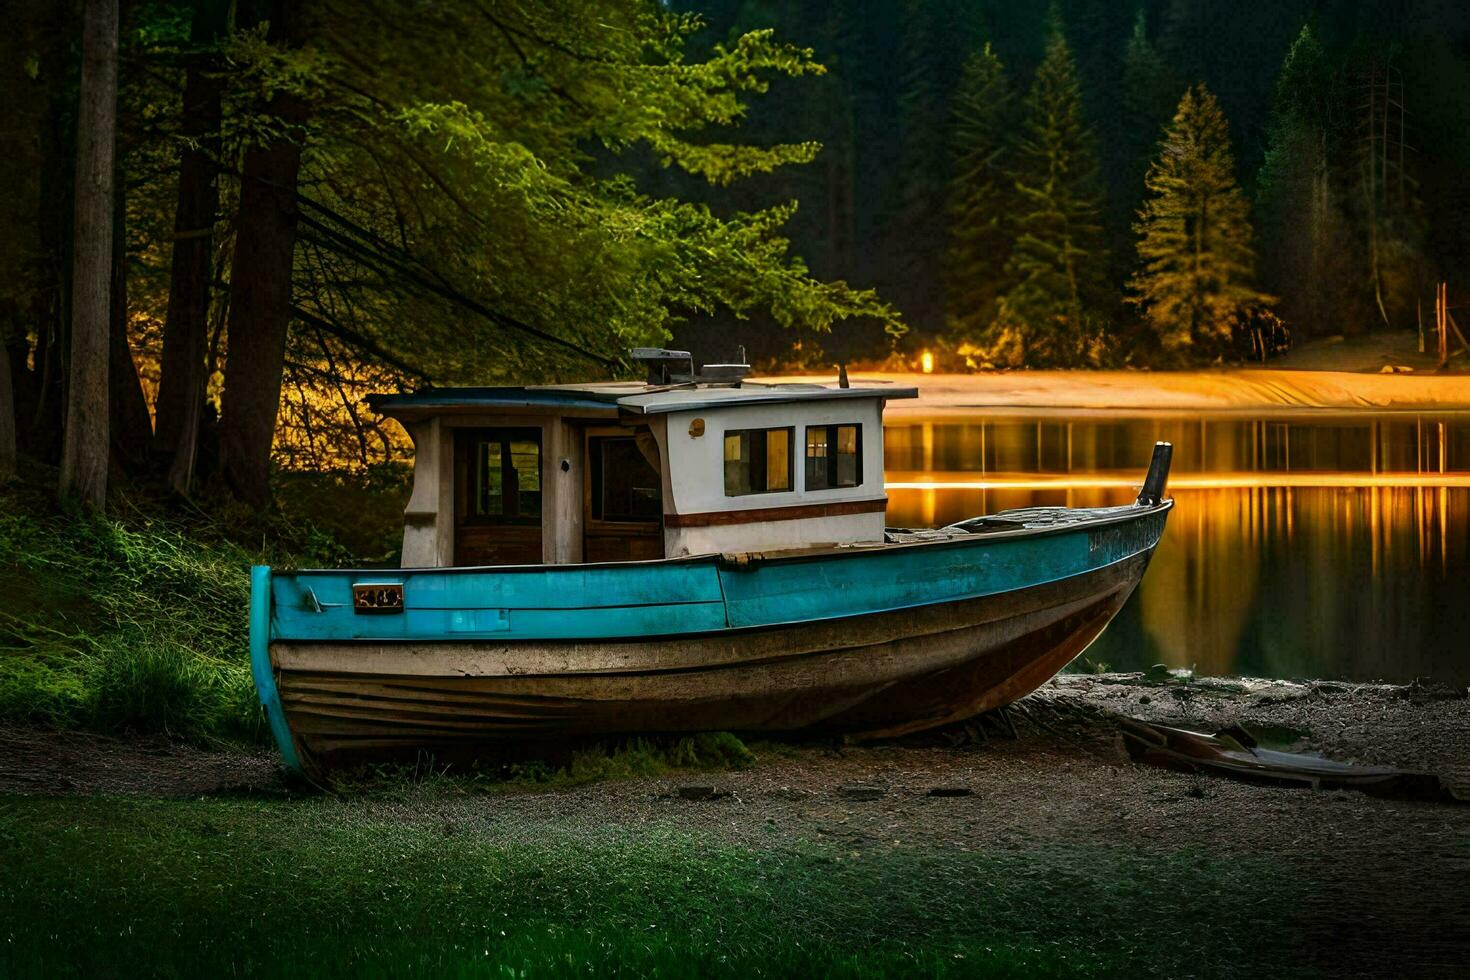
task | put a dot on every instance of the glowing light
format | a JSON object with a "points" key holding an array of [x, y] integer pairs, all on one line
{"points": [[1190, 481], [926, 362]]}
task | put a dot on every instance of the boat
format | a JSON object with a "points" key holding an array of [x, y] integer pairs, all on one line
{"points": [[694, 552]]}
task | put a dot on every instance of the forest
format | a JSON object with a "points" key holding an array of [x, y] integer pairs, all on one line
{"points": [[228, 222], [1029, 183]]}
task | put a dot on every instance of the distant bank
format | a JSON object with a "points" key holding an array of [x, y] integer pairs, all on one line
{"points": [[1333, 375], [1151, 392]]}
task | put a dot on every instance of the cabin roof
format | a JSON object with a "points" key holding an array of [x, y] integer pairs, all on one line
{"points": [[631, 396]]}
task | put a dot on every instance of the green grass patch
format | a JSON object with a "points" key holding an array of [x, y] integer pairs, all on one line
{"points": [[139, 623], [629, 758], [472, 888], [112, 626]]}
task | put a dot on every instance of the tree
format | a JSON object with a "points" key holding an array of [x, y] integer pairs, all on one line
{"points": [[7, 415], [1197, 264], [478, 211], [85, 449], [980, 196], [1053, 314], [1151, 91], [1387, 200], [915, 234], [182, 379], [260, 312], [1306, 239]]}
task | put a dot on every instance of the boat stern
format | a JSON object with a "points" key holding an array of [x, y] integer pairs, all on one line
{"points": [[263, 670]]}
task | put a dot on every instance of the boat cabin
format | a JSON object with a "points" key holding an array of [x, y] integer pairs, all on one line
{"points": [[684, 463]]}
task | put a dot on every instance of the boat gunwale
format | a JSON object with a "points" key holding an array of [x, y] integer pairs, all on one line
{"points": [[722, 632], [794, 556]]}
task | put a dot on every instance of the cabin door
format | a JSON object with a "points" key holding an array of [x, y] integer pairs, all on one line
{"points": [[624, 509], [497, 496]]}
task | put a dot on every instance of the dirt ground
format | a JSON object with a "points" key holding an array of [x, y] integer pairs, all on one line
{"points": [[1388, 876]]}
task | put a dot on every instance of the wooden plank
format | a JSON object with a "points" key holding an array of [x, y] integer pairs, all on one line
{"points": [[533, 659]]}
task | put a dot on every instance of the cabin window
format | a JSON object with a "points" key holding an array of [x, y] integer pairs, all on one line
{"points": [[505, 477], [834, 456], [757, 461], [626, 486]]}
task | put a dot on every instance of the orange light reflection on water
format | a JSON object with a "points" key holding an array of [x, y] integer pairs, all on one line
{"points": [[1297, 548], [902, 480]]}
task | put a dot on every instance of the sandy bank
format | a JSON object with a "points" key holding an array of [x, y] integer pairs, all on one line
{"points": [[1277, 392]]}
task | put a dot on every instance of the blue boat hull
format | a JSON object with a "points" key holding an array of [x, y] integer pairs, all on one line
{"points": [[880, 640]]}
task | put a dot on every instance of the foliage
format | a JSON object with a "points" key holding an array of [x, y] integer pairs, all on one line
{"points": [[914, 228], [1054, 316], [980, 196], [1305, 236], [1197, 263], [112, 627], [500, 170], [434, 886], [1151, 90], [139, 625]]}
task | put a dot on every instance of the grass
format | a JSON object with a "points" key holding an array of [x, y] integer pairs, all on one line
{"points": [[122, 627], [473, 888], [631, 758], [139, 623]]}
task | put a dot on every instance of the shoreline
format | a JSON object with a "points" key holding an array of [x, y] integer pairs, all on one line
{"points": [[78, 762], [1216, 393]]}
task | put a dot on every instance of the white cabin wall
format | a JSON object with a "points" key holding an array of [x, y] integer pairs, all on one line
{"points": [[697, 479], [779, 535]]}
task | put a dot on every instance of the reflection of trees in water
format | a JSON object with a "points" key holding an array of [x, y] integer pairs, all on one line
{"points": [[1199, 597], [1077, 444], [1354, 582]]}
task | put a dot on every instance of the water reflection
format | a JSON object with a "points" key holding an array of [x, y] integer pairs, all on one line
{"points": [[1325, 547]]}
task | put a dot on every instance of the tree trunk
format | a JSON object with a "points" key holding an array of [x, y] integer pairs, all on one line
{"points": [[7, 417], [260, 309], [182, 380], [129, 426], [84, 454], [40, 391]]}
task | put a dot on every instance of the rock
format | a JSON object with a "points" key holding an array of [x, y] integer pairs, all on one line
{"points": [[948, 791], [861, 791]]}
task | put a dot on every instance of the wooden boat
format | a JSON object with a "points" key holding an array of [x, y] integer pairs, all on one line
{"points": [[693, 554]]}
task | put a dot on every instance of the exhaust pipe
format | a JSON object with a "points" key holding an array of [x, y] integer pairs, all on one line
{"points": [[1158, 475]]}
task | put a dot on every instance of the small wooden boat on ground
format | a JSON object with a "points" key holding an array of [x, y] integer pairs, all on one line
{"points": [[698, 553]]}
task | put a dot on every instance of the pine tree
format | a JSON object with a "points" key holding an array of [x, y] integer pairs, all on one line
{"points": [[1052, 315], [1194, 247], [916, 230], [980, 196], [1305, 238], [1150, 92]]}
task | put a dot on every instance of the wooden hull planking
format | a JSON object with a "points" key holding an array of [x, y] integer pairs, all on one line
{"points": [[880, 674]]}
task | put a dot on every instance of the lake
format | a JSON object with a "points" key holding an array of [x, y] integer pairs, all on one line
{"points": [[1306, 546]]}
